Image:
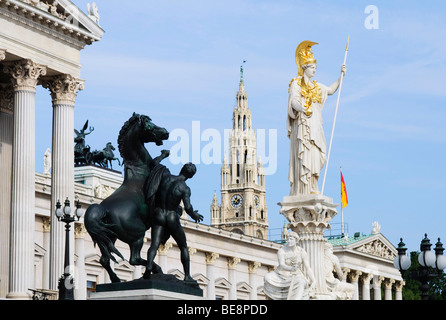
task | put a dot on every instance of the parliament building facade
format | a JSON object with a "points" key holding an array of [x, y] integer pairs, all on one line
{"points": [[40, 45]]}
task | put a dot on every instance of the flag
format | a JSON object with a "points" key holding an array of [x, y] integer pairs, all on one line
{"points": [[344, 198]]}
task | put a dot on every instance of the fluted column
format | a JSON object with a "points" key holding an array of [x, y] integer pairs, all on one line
{"points": [[81, 282], [399, 290], [24, 75], [232, 274], [354, 277], [377, 281], [6, 136], [211, 257], [388, 283], [46, 245], [252, 270], [63, 90], [366, 278]]}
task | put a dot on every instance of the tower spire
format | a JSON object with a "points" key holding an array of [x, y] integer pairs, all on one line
{"points": [[243, 206], [242, 82]]}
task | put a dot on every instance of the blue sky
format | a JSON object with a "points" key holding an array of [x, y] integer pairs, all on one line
{"points": [[178, 62]]}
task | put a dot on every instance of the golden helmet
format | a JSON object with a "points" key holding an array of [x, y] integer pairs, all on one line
{"points": [[304, 55]]}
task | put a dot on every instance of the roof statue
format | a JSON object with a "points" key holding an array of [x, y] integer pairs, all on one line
{"points": [[93, 13]]}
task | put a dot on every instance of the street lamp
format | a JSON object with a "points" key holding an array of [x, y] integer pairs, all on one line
{"points": [[65, 287], [428, 260]]}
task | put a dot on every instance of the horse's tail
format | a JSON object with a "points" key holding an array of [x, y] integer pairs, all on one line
{"points": [[100, 231]]}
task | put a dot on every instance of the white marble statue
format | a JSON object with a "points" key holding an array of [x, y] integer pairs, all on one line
{"points": [[376, 227], [293, 279], [338, 288], [93, 12], [47, 161], [304, 123]]}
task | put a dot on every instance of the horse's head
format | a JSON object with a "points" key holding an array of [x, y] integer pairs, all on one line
{"points": [[109, 146], [151, 132]]}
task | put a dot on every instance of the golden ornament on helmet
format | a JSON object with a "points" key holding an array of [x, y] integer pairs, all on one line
{"points": [[304, 55]]}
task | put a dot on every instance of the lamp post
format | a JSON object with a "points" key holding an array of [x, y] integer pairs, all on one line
{"points": [[429, 262], [66, 291]]}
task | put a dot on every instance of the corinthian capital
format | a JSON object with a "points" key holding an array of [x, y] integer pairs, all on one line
{"points": [[6, 97], [24, 73], [63, 88]]}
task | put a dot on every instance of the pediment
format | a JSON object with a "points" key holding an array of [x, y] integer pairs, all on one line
{"points": [[177, 273], [243, 287], [39, 250], [376, 245], [124, 265], [201, 279], [59, 18], [93, 259], [222, 283]]}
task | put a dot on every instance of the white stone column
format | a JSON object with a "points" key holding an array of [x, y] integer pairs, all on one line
{"points": [[137, 273], [46, 258], [6, 137], [211, 257], [24, 75], [163, 250], [63, 90], [377, 281], [366, 278], [252, 270], [232, 274], [388, 288], [399, 290], [354, 277], [80, 284]]}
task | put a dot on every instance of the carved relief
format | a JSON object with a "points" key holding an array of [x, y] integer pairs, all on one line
{"points": [[45, 6], [102, 191], [377, 248]]}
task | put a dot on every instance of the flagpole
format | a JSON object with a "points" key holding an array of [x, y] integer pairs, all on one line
{"points": [[342, 210], [334, 120]]}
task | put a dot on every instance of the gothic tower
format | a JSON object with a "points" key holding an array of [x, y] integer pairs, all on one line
{"points": [[243, 207]]}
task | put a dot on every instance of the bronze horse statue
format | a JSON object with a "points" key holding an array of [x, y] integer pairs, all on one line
{"points": [[104, 156], [125, 215]]}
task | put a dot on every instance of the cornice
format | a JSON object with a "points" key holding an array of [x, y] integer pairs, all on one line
{"points": [[47, 23]]}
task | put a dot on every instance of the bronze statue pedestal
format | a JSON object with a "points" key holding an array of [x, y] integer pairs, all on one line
{"points": [[158, 287]]}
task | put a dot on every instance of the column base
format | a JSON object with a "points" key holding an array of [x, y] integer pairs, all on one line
{"points": [[18, 296]]}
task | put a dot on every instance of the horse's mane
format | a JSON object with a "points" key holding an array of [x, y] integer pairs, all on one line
{"points": [[124, 131]]}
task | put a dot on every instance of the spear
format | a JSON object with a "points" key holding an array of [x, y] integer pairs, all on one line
{"points": [[334, 120]]}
